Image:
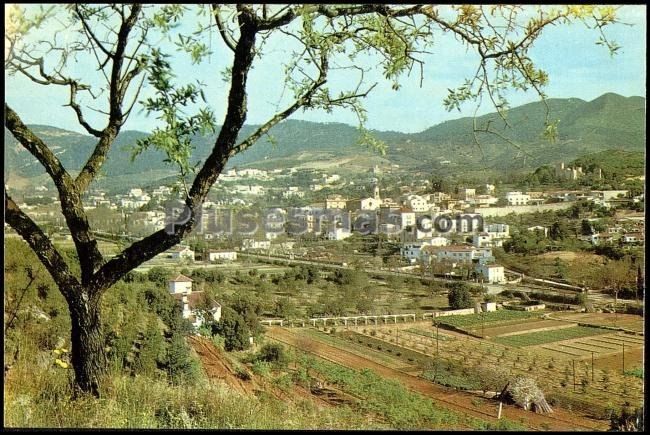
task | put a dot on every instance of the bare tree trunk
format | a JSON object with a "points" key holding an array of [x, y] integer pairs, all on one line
{"points": [[88, 357]]}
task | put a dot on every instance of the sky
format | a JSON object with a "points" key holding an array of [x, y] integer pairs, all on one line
{"points": [[576, 66]]}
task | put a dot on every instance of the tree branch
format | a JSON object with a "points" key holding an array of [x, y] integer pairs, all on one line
{"points": [[42, 246], [89, 256], [302, 101], [118, 87], [38, 149], [162, 240], [223, 31]]}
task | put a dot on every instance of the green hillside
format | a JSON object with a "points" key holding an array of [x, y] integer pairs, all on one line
{"points": [[608, 122]]}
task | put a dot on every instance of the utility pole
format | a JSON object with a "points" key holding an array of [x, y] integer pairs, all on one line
{"points": [[574, 376], [437, 345], [623, 357], [483, 324]]}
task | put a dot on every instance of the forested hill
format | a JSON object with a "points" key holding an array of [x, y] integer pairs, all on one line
{"points": [[608, 122]]}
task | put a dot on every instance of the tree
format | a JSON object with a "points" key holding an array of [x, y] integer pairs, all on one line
{"points": [[127, 47], [585, 228], [233, 328], [558, 231], [459, 296]]}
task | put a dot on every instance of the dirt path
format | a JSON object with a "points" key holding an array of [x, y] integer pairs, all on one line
{"points": [[454, 400], [217, 367]]}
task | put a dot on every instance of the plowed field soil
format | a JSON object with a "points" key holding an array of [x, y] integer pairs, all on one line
{"points": [[462, 402]]}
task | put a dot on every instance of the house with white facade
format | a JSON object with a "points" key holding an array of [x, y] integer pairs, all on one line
{"points": [[517, 198], [255, 244], [181, 253], [192, 302], [335, 202], [369, 204], [416, 203], [223, 255], [460, 253], [180, 284], [633, 238], [338, 234], [491, 273]]}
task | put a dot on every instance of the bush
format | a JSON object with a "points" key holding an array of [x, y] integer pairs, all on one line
{"points": [[261, 368], [459, 297], [273, 353]]}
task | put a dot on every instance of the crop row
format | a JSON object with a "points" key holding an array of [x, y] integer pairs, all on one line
{"points": [[544, 337], [491, 317]]}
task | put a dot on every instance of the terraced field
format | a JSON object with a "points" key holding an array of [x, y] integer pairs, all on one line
{"points": [[552, 336], [521, 328], [632, 322]]}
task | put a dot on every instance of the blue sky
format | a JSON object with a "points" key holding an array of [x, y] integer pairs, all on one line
{"points": [[577, 67]]}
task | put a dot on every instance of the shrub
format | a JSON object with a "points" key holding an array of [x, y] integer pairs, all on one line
{"points": [[459, 297], [273, 353]]}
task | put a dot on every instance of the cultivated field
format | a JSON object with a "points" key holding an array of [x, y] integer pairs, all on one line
{"points": [[521, 328], [627, 321], [563, 357], [548, 336]]}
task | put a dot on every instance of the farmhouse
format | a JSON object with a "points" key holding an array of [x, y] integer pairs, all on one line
{"points": [[492, 273], [180, 285], [227, 255], [181, 252]]}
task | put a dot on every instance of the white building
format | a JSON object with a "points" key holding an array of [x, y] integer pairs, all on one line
{"points": [[491, 273], [255, 190], [439, 241], [416, 203], [226, 255], [180, 285], [251, 173], [255, 244], [338, 234], [539, 229], [370, 204], [412, 251], [336, 202], [468, 194], [633, 238], [181, 288], [293, 191], [182, 252], [517, 198], [191, 303], [461, 253], [483, 200], [407, 218]]}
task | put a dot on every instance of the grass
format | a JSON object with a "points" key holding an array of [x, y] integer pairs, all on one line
{"points": [[543, 337], [493, 317], [42, 398], [637, 372]]}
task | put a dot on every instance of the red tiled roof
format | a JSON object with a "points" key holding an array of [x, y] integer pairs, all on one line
{"points": [[181, 278]]}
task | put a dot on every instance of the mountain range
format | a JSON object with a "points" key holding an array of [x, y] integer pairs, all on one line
{"points": [[610, 121]]}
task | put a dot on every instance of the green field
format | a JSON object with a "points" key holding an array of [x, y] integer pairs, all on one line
{"points": [[544, 337], [492, 317]]}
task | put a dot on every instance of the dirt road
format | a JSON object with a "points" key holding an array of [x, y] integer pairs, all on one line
{"points": [[462, 402]]}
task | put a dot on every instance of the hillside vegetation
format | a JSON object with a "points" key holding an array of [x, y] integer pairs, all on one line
{"points": [[608, 122]]}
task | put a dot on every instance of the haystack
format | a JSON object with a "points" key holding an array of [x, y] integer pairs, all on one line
{"points": [[524, 392]]}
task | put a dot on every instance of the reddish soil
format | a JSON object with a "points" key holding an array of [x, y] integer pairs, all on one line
{"points": [[454, 400], [216, 366], [633, 359], [629, 321]]}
